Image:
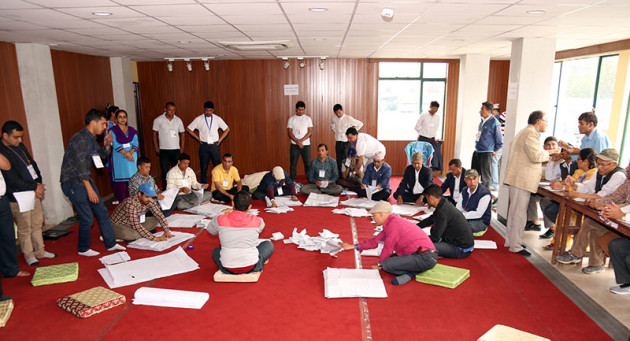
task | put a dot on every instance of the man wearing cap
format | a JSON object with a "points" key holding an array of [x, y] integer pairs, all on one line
{"points": [[454, 181], [277, 182], [376, 179], [339, 123], [475, 202], [322, 174], [608, 178], [208, 125], [451, 233], [416, 178], [414, 250], [130, 221]]}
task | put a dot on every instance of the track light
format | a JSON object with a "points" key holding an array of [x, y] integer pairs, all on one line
{"points": [[286, 64], [322, 63], [302, 64], [206, 64], [188, 65], [170, 65]]}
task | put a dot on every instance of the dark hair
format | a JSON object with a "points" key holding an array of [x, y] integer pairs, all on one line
{"points": [[488, 105], [433, 190], [143, 160], [435, 104], [169, 104], [352, 131], [208, 105], [242, 200], [550, 138], [590, 155], [535, 116], [337, 107], [9, 126], [300, 104], [455, 162], [226, 155], [94, 115], [183, 156], [322, 145], [588, 117], [121, 110], [109, 110]]}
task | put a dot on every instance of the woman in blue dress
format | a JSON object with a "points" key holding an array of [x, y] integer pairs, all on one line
{"points": [[124, 155]]}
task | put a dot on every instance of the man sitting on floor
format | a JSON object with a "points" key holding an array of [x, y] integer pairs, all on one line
{"points": [[376, 177], [349, 177], [129, 219], [184, 178], [414, 250], [143, 176], [277, 182], [475, 202], [416, 178], [238, 233], [451, 233], [322, 174], [226, 181], [454, 181]]}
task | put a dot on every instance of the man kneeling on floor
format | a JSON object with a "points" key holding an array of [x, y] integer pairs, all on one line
{"points": [[238, 233], [129, 219], [451, 232], [414, 250]]}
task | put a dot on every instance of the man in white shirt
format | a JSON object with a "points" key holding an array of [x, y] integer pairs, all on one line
{"points": [[300, 129], [184, 178], [427, 128], [208, 125], [475, 202], [168, 138], [339, 123], [366, 146]]}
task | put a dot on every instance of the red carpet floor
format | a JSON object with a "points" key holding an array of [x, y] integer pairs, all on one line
{"points": [[288, 302]]}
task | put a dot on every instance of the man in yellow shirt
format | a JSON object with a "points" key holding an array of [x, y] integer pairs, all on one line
{"points": [[225, 180]]}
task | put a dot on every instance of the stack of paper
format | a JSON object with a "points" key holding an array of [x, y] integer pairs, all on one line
{"points": [[360, 203], [347, 192], [253, 211], [406, 210], [170, 298], [169, 197], [321, 200], [184, 220], [146, 269], [352, 212], [115, 258], [340, 283], [485, 244], [286, 201], [326, 242], [145, 244], [279, 210], [209, 210], [373, 252]]}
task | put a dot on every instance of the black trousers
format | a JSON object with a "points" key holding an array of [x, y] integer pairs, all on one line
{"points": [[482, 162], [378, 196], [217, 195], [208, 152], [341, 150], [8, 258], [295, 153], [168, 160]]}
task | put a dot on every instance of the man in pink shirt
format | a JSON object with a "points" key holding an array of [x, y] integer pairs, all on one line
{"points": [[414, 251]]}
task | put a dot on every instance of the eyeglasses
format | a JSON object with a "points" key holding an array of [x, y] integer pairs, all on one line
{"points": [[601, 164]]}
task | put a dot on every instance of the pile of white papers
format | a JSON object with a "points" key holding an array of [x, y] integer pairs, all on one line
{"points": [[277, 236], [115, 258], [485, 244], [145, 244], [406, 210], [169, 197], [279, 210], [374, 252], [347, 192], [321, 200], [360, 203], [286, 201], [253, 211], [184, 220], [326, 242], [170, 298], [340, 283], [146, 269], [209, 210], [352, 212]]}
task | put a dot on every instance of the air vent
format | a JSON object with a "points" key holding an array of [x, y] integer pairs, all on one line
{"points": [[256, 45]]}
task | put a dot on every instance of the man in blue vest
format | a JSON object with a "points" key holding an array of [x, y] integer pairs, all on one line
{"points": [[475, 202]]}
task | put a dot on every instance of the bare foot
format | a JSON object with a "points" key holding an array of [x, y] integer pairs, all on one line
{"points": [[23, 274], [267, 261]]}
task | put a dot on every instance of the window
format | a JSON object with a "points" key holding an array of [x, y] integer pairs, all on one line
{"points": [[625, 152], [405, 90]]}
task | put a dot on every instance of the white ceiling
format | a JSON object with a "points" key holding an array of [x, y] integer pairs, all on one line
{"points": [[156, 29]]}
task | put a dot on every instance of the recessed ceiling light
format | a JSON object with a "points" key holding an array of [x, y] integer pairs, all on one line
{"points": [[102, 13], [184, 41], [536, 11], [318, 9]]}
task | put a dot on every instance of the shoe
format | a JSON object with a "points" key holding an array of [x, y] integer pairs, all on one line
{"points": [[547, 235], [117, 247], [89, 253], [115, 202], [623, 289], [49, 255], [568, 258], [593, 269], [524, 253], [548, 247], [532, 227], [32, 261]]}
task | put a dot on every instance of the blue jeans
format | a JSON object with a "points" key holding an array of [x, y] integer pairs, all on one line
{"points": [[8, 258], [208, 152], [477, 225], [294, 155], [265, 249], [87, 210], [450, 251], [414, 262]]}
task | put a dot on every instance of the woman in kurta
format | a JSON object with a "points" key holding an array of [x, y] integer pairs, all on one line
{"points": [[124, 155]]}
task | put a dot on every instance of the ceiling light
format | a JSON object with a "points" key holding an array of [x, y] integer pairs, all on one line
{"points": [[286, 63], [206, 64], [322, 63], [188, 65], [256, 45], [318, 9], [102, 13], [387, 14], [184, 41], [169, 66], [302, 64], [536, 11]]}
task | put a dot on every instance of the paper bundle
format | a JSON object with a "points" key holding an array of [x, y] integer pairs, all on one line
{"points": [[352, 212], [340, 283], [286, 201], [485, 244], [145, 244], [321, 200], [373, 252], [179, 220], [115, 258], [279, 209], [209, 210], [326, 242], [360, 203], [406, 210], [170, 298]]}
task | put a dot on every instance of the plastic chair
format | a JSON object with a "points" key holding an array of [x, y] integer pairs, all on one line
{"points": [[423, 147]]}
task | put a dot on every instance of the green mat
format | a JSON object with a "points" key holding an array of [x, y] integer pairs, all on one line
{"points": [[53, 274], [444, 276]]}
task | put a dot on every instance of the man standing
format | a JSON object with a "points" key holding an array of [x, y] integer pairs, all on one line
{"points": [[522, 176], [299, 129], [475, 202], [417, 177], [76, 183], [366, 146], [322, 174], [184, 178], [24, 177], [414, 250], [339, 123], [376, 178], [454, 181], [496, 158], [208, 125], [169, 130], [587, 125], [488, 142], [226, 181], [427, 128]]}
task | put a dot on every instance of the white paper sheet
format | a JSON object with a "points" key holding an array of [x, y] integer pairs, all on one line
{"points": [[180, 220], [374, 252], [199, 194], [278, 210], [115, 258], [170, 298], [485, 244], [360, 203], [551, 189], [347, 192], [209, 210], [25, 200], [579, 199], [340, 283], [352, 212], [321, 200], [169, 197], [277, 236], [145, 244], [286, 201], [308, 243], [406, 210]]}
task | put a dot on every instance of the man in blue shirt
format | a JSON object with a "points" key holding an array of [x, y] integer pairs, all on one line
{"points": [[322, 174], [587, 125], [488, 142], [376, 179]]}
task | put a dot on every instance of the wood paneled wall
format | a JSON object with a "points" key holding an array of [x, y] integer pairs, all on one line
{"points": [[82, 82], [11, 90], [498, 82], [249, 96]]}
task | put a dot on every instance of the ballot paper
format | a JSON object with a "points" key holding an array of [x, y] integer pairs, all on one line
{"points": [[115, 258], [371, 190], [184, 220], [253, 211], [169, 197], [579, 199], [323, 184], [146, 269], [545, 183], [485, 244], [406, 210], [321, 242], [352, 212], [551, 189], [373, 252], [277, 236], [145, 244], [279, 210], [209, 210], [331, 247], [427, 230], [199, 194], [286, 201], [25, 200], [339, 283], [360, 203], [170, 298], [321, 200], [347, 192]]}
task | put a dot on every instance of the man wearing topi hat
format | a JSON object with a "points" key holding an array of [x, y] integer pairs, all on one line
{"points": [[475, 202], [277, 182]]}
